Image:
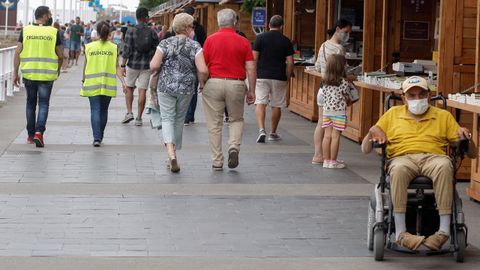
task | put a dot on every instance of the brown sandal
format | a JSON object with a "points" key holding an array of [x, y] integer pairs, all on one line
{"points": [[174, 165]]}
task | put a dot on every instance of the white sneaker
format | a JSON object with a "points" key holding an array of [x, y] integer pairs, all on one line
{"points": [[274, 137], [335, 165], [138, 122]]}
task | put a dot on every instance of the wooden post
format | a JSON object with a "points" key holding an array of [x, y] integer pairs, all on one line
{"points": [[321, 17], [474, 189], [288, 19], [446, 45]]}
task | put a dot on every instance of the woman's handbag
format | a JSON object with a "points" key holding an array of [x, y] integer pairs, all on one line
{"points": [[320, 97], [352, 95]]}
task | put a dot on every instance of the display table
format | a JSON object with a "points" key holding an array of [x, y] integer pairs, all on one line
{"points": [[474, 190], [377, 88]]}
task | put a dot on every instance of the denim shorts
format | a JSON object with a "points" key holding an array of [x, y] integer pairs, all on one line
{"points": [[75, 45]]}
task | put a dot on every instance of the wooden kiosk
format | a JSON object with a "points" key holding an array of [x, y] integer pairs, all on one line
{"points": [[395, 30], [206, 14], [460, 65]]}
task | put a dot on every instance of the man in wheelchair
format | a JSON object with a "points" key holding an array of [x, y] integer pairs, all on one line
{"points": [[416, 137]]}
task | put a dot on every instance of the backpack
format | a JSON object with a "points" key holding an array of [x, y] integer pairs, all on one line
{"points": [[144, 41]]}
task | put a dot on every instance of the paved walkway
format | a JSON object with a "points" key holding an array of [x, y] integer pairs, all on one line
{"points": [[117, 207]]}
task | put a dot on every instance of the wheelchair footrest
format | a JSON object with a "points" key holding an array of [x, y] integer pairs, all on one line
{"points": [[440, 252], [400, 249]]}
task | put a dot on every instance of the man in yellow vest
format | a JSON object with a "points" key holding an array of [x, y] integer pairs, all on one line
{"points": [[39, 55]]}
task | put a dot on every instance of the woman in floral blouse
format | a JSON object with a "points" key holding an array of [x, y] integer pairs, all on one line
{"points": [[180, 62]]}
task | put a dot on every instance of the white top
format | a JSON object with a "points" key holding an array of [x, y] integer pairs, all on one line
{"points": [[328, 48], [94, 34]]}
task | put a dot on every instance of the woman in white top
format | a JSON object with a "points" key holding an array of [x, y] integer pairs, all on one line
{"points": [[339, 36]]}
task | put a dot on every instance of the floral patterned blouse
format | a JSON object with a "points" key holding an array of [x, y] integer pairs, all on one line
{"points": [[178, 73]]}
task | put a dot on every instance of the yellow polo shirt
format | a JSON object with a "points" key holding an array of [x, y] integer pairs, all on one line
{"points": [[405, 135]]}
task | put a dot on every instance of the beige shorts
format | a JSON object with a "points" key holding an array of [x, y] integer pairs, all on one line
{"points": [[271, 92], [138, 78]]}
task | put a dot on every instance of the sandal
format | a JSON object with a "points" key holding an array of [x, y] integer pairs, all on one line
{"points": [[174, 168], [435, 241], [410, 241], [167, 163]]}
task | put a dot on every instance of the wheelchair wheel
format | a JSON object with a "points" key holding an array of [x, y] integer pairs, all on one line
{"points": [[378, 244], [371, 222], [459, 254]]}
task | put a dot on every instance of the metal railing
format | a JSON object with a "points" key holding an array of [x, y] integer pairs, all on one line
{"points": [[6, 73]]}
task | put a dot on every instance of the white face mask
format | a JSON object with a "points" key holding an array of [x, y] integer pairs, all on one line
{"points": [[192, 34], [418, 106], [343, 36]]}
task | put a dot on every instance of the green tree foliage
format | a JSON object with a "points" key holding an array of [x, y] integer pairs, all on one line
{"points": [[151, 3], [248, 5]]}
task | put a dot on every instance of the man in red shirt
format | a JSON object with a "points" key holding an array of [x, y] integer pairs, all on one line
{"points": [[230, 61]]}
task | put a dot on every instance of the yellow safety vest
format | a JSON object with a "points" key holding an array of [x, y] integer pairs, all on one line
{"points": [[38, 59], [101, 69]]}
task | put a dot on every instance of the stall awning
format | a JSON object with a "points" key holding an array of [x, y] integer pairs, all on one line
{"points": [[174, 6]]}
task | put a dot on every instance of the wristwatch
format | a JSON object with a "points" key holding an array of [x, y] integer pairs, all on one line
{"points": [[122, 66]]}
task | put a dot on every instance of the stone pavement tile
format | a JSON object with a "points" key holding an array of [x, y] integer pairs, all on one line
{"points": [[101, 167], [185, 225]]}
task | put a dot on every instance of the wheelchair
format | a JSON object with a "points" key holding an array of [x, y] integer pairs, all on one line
{"points": [[421, 217]]}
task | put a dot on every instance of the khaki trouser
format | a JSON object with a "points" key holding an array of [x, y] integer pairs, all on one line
{"points": [[437, 167], [219, 94]]}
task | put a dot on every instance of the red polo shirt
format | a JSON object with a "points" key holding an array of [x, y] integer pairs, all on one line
{"points": [[226, 53]]}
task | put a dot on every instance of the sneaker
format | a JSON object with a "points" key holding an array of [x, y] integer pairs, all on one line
{"points": [[96, 143], [38, 139], [436, 241], [30, 139], [138, 122], [274, 137], [232, 158], [261, 136], [186, 123], [333, 164], [128, 118], [217, 168], [410, 241]]}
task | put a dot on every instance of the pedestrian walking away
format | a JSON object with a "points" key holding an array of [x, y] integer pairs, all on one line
{"points": [[140, 45], [200, 36], [339, 36], [274, 55], [76, 33], [180, 59], [230, 60], [334, 119], [39, 55], [237, 30], [99, 79]]}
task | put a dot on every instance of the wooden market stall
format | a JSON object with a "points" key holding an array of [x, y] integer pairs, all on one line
{"points": [[306, 24], [206, 14], [385, 32]]}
